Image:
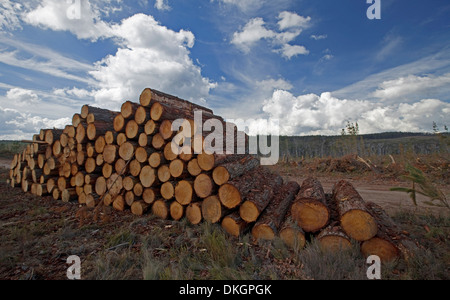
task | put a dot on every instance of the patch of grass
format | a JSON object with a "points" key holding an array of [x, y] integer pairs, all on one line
{"points": [[123, 237]]}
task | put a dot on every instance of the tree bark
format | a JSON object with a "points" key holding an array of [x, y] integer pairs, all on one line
{"points": [[129, 109], [355, 219], [333, 239], [234, 225], [234, 169]]}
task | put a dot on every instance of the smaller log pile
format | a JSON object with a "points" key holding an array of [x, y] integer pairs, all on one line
{"points": [[127, 160]]}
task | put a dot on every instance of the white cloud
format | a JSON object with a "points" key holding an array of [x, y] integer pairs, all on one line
{"points": [[152, 56], [402, 87], [289, 51], [83, 20], [252, 32], [9, 15], [256, 29], [319, 37], [327, 115], [22, 97], [290, 20], [162, 5], [244, 5]]}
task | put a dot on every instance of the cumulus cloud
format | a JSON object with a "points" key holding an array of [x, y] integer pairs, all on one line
{"points": [[22, 97], [244, 5], [162, 5], [327, 115], [290, 27]]}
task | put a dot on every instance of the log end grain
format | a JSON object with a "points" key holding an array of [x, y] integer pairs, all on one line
{"points": [[384, 249], [263, 232], [212, 209], [229, 196], [203, 186], [221, 175], [194, 213], [176, 211], [160, 209], [184, 192], [359, 225], [311, 216], [293, 237]]}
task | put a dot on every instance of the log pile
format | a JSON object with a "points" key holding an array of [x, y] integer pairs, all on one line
{"points": [[133, 160]]}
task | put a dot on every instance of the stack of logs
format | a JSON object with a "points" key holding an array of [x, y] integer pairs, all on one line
{"points": [[128, 160]]}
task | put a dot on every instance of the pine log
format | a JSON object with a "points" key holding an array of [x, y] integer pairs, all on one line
{"points": [[184, 192], [150, 195], [97, 129], [52, 135], [169, 154], [130, 198], [135, 168], [212, 210], [268, 226], [142, 154], [129, 183], [234, 225], [79, 179], [143, 140], [114, 184], [142, 115], [193, 168], [57, 149], [150, 96], [168, 190], [260, 197], [161, 209], [233, 193], [51, 185], [204, 186], [151, 127], [155, 160], [119, 203], [147, 176], [119, 123], [333, 239], [121, 139], [91, 166], [81, 137], [178, 169], [81, 157], [158, 142], [110, 137], [77, 120], [310, 209], [139, 208], [391, 242], [127, 150], [129, 109], [133, 130], [165, 130], [100, 145], [176, 211], [92, 200], [100, 160], [68, 195], [291, 234], [194, 213], [95, 114], [100, 186], [355, 219], [164, 173], [121, 167], [234, 169], [138, 190], [107, 170]]}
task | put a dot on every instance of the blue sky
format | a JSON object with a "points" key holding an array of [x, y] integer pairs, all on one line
{"points": [[313, 65]]}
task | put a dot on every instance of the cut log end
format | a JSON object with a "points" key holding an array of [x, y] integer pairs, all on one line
{"points": [[221, 175], [384, 249], [293, 237], [184, 192], [203, 186], [234, 225], [212, 209], [249, 212], [176, 211], [311, 216], [359, 225], [160, 209], [229, 196], [194, 213], [263, 232]]}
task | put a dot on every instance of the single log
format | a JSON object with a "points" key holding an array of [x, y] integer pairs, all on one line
{"points": [[135, 168], [107, 170], [158, 142], [133, 130], [194, 213], [258, 200], [92, 200], [108, 200], [333, 239], [129, 109], [155, 160], [95, 114], [147, 176], [79, 179], [114, 184], [169, 155], [143, 140], [56, 194], [233, 193], [100, 160], [127, 151], [391, 242], [142, 154], [164, 173], [52, 135], [62, 183], [57, 149], [97, 129], [90, 150], [178, 169], [165, 130], [77, 120], [355, 219], [81, 157], [193, 168], [91, 166], [234, 225], [119, 123], [121, 167], [268, 226], [119, 203], [310, 209], [291, 234], [184, 192], [139, 208], [121, 139], [234, 169], [161, 209], [149, 96], [70, 131], [168, 190], [138, 190], [186, 153], [81, 137], [160, 111], [204, 186], [51, 185], [100, 145], [150, 195], [100, 186], [176, 211], [142, 115], [212, 210], [151, 127], [130, 198], [129, 183], [110, 137]]}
